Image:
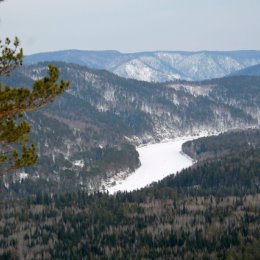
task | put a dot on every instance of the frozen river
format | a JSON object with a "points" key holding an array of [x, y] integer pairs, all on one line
{"points": [[157, 161]]}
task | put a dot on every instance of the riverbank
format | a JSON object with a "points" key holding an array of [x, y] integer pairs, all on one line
{"points": [[157, 161]]}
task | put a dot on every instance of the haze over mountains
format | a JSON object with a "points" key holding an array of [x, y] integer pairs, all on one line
{"points": [[158, 66]]}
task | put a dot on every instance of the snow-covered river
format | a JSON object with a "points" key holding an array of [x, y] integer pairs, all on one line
{"points": [[157, 161]]}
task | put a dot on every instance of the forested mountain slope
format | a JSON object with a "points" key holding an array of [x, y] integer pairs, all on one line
{"points": [[88, 134], [226, 143], [250, 71]]}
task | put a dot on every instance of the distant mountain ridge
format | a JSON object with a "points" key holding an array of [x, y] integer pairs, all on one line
{"points": [[158, 66]]}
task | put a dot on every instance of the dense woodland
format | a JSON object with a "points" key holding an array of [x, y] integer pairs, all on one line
{"points": [[224, 144], [209, 211]]}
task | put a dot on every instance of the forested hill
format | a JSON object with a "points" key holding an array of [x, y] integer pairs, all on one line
{"points": [[228, 163], [88, 135], [210, 211], [232, 142], [250, 71]]}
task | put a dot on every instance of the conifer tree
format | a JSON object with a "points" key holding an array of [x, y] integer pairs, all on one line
{"points": [[15, 150]]}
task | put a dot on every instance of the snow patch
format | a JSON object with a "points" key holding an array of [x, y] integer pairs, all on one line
{"points": [[194, 90], [79, 163], [19, 177]]}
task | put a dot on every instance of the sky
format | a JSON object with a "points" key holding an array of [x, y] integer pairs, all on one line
{"points": [[132, 25]]}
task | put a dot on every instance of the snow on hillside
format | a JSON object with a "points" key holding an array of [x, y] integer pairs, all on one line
{"points": [[137, 69], [158, 66]]}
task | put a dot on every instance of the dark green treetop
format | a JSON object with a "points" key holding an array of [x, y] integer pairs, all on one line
{"points": [[15, 152]]}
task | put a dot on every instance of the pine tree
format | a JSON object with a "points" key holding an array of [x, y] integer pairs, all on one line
{"points": [[15, 150]]}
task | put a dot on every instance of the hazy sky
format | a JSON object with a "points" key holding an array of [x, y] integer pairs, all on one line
{"points": [[132, 25]]}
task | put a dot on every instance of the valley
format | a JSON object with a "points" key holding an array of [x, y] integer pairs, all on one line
{"points": [[129, 130], [102, 118], [108, 130]]}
